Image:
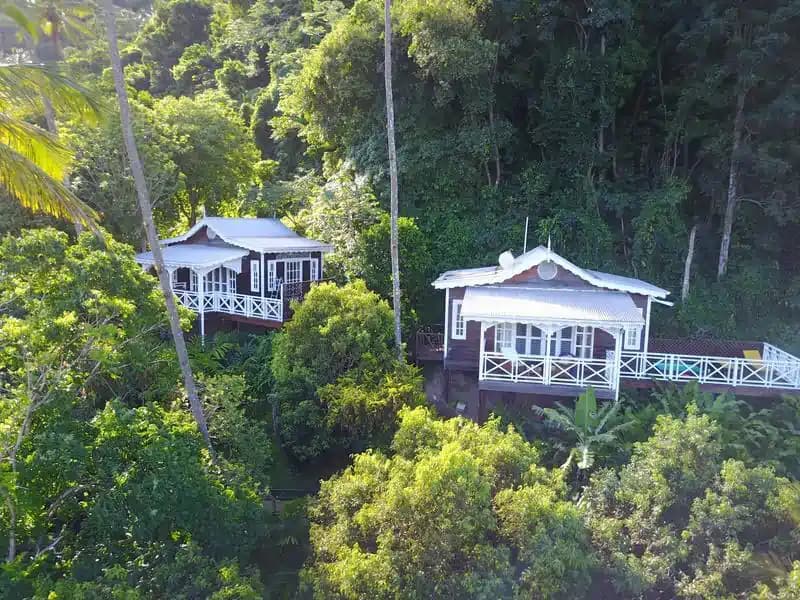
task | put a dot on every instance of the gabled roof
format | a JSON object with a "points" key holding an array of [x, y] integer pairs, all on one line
{"points": [[258, 235], [518, 303], [540, 254]]}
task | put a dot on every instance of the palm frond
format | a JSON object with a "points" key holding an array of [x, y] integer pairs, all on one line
{"points": [[37, 145], [35, 189], [25, 85], [21, 19]]}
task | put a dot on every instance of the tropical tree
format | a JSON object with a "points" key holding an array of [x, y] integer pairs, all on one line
{"points": [[143, 196], [458, 511], [33, 163], [393, 202], [589, 427]]}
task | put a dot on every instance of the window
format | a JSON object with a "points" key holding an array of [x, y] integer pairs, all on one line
{"points": [[503, 336], [561, 342], [271, 275], [294, 271], [528, 339], [583, 341], [459, 328], [632, 338], [222, 280], [255, 276], [314, 269]]}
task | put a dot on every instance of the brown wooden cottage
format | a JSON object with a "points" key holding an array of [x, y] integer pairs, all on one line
{"points": [[245, 270], [540, 325]]}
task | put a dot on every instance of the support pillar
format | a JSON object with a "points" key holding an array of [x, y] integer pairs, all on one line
{"points": [[617, 361], [482, 352], [262, 276], [547, 369], [201, 300], [446, 322]]}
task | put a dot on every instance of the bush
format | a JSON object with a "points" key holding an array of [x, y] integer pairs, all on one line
{"points": [[460, 511]]}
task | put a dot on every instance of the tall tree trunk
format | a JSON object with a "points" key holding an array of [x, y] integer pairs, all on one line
{"points": [[143, 196], [49, 111], [687, 267], [733, 177], [393, 202]]}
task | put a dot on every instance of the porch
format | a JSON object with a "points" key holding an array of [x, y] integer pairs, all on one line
{"points": [[545, 358]]}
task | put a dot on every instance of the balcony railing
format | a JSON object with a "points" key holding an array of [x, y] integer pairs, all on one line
{"points": [[777, 370], [255, 307], [548, 370]]}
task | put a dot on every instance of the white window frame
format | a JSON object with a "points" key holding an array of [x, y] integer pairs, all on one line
{"points": [[221, 279], [272, 271], [505, 336], [314, 270], [533, 342], [295, 263], [255, 275], [583, 341], [459, 326], [631, 337]]}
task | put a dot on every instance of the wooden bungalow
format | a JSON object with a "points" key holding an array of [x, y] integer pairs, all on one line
{"points": [[540, 325], [245, 270]]}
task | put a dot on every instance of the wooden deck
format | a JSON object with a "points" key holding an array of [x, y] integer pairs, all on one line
{"points": [[753, 369], [566, 391]]}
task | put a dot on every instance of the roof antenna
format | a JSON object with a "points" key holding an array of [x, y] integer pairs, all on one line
{"points": [[525, 243]]}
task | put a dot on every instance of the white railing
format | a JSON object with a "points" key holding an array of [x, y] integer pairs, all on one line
{"points": [[548, 370], [777, 370], [254, 307]]}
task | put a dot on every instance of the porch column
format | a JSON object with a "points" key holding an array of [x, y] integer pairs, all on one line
{"points": [[171, 272], [262, 276], [201, 300], [483, 350], [446, 321], [617, 361], [547, 369]]}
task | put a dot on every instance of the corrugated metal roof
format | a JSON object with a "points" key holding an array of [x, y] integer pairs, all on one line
{"points": [[521, 304], [259, 235], [197, 256], [540, 254]]}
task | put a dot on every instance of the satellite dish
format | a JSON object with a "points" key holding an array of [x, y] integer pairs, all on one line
{"points": [[506, 260], [547, 270]]}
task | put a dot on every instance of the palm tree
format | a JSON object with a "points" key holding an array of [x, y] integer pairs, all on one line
{"points": [[587, 425], [393, 202], [143, 196], [32, 161], [57, 20]]}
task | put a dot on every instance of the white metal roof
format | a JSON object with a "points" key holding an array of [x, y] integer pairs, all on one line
{"points": [[199, 257], [540, 254], [258, 235], [526, 304]]}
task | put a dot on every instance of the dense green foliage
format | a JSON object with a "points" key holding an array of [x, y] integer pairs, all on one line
{"points": [[337, 378], [616, 126], [101, 466], [612, 125], [678, 520], [459, 511]]}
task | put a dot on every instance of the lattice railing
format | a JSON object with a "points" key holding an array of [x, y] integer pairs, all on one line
{"points": [[777, 370], [255, 307], [548, 370]]}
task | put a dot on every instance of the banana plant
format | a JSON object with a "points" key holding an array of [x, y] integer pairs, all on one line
{"points": [[589, 427]]}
